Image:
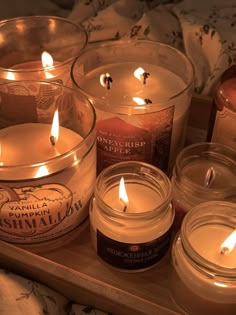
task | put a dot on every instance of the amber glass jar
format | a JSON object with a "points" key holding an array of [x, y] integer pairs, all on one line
{"points": [[223, 120]]}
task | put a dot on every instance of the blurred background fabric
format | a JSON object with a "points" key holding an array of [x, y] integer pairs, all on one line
{"points": [[204, 30]]}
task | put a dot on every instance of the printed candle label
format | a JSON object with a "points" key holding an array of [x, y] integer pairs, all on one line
{"points": [[33, 212], [132, 256], [224, 129], [36, 212], [146, 138]]}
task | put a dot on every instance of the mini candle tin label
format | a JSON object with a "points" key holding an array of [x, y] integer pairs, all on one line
{"points": [[144, 138], [132, 256]]}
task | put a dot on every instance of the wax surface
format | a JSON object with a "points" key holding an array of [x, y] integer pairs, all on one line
{"points": [[30, 143], [141, 198], [224, 175], [207, 240], [161, 84]]}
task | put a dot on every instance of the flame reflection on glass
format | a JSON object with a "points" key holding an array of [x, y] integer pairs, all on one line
{"points": [[42, 171]]}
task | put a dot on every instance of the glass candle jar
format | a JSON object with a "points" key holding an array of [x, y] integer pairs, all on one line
{"points": [[223, 118], [203, 277], [203, 172], [141, 91], [39, 48], [46, 179], [134, 235]]}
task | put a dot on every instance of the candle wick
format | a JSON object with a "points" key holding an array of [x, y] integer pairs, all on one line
{"points": [[210, 176], [108, 80], [125, 208], [52, 140], [147, 101], [145, 76], [224, 251]]}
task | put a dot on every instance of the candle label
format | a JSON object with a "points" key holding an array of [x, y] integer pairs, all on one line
{"points": [[34, 212], [144, 138], [132, 256], [224, 128]]}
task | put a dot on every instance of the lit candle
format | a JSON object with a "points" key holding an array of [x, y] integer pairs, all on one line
{"points": [[203, 172], [203, 277], [216, 235], [47, 171], [152, 132], [131, 197], [44, 69]]}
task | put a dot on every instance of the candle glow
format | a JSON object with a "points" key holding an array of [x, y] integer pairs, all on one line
{"points": [[123, 197], [229, 244]]}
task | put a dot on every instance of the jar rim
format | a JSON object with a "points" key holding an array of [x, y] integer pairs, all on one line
{"points": [[146, 170], [107, 44], [67, 156], [45, 18], [218, 150]]}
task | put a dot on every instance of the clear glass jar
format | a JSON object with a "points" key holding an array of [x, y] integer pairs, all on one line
{"points": [[189, 178], [24, 39], [223, 118], [135, 238], [202, 280], [45, 188], [135, 120]]}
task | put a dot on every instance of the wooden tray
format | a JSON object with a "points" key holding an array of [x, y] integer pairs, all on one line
{"points": [[75, 271]]}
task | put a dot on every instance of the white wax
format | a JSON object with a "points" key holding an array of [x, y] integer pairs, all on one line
{"points": [[30, 143], [161, 84], [207, 241], [141, 198], [225, 177]]}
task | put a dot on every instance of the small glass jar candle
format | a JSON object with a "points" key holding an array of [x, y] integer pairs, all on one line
{"points": [[141, 91], [39, 48], [136, 234], [203, 172], [203, 273], [47, 163]]}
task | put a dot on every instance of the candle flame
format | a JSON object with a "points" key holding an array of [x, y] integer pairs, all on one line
{"points": [[138, 73], [55, 128], [123, 197], [229, 244], [47, 61], [104, 79], [10, 76], [210, 176], [139, 100]]}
